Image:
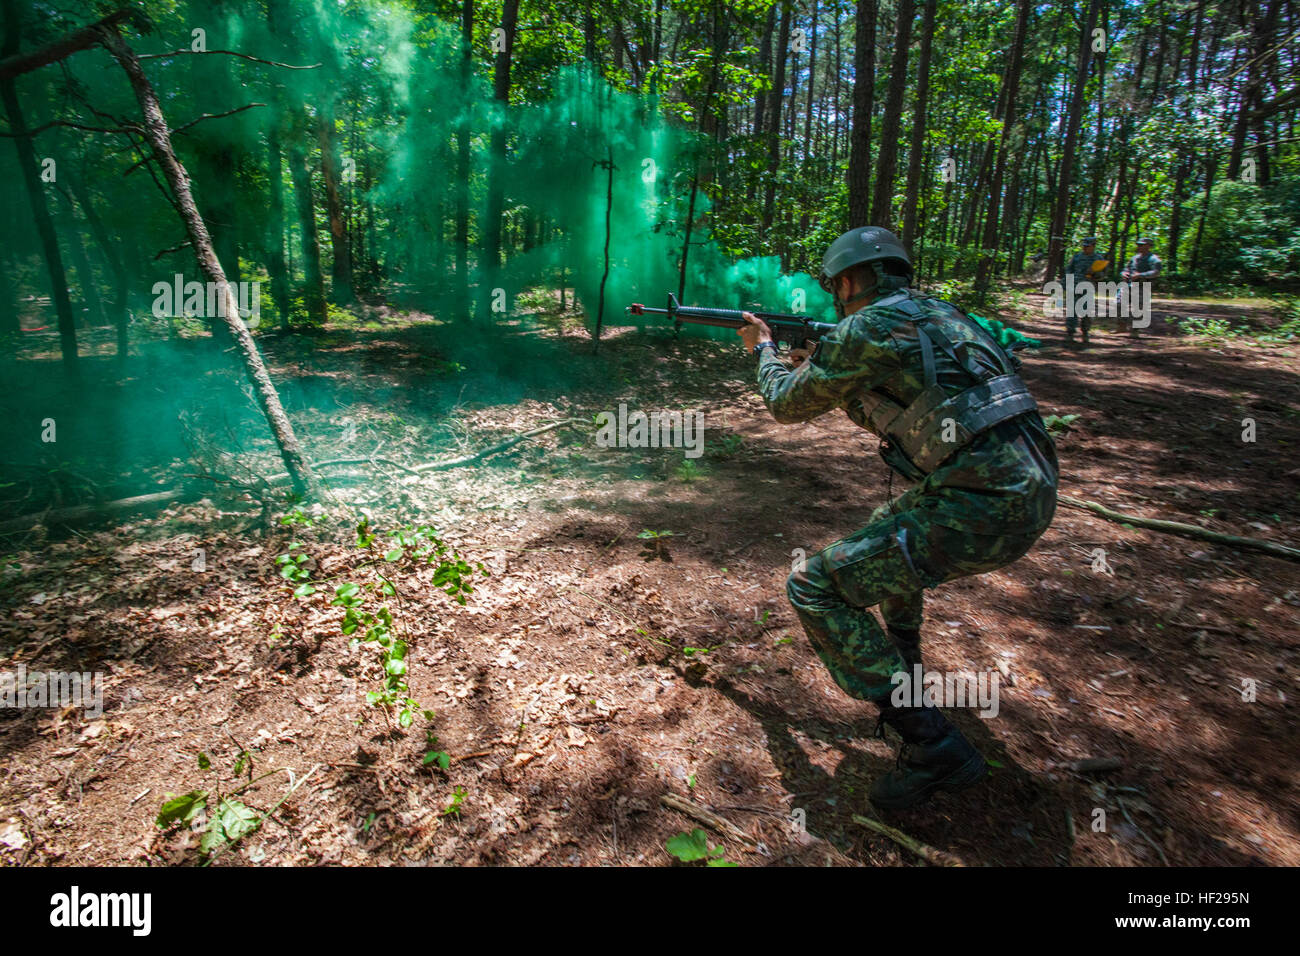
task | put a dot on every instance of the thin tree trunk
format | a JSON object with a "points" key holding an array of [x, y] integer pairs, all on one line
{"points": [[916, 152], [864, 82], [1056, 236], [497, 170], [774, 119], [275, 264], [112, 256], [990, 242], [36, 194], [812, 82], [462, 158], [314, 280], [342, 291], [891, 125], [159, 137]]}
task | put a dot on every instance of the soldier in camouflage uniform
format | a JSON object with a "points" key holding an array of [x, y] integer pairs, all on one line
{"points": [[952, 416], [1143, 267], [1080, 266]]}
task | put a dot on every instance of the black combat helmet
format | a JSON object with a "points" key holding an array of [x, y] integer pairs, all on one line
{"points": [[868, 244]]}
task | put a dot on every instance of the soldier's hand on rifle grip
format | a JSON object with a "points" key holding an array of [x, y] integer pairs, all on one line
{"points": [[799, 356], [757, 331]]}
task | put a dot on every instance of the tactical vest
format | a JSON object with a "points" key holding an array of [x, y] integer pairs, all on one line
{"points": [[1141, 263], [918, 438]]}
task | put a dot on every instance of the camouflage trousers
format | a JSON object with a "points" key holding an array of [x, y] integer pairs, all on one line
{"points": [[1072, 322], [888, 563]]}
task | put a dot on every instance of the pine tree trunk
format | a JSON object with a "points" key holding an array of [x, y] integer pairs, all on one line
{"points": [[1056, 236], [916, 151], [864, 82], [891, 125]]}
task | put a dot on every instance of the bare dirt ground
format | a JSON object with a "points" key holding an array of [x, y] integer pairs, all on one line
{"points": [[586, 677]]}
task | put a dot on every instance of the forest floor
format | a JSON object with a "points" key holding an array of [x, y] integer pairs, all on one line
{"points": [[588, 674]]}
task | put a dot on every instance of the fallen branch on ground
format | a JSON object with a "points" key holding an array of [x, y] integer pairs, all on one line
{"points": [[77, 513], [924, 851], [495, 449], [707, 817], [1185, 530]]}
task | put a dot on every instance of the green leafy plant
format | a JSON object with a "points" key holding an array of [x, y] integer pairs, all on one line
{"points": [[1210, 328], [688, 471], [728, 446], [433, 756], [457, 798], [368, 616], [299, 516], [220, 818], [292, 568], [1059, 423], [655, 544], [694, 846]]}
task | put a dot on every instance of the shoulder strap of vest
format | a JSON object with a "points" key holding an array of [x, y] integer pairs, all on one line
{"points": [[984, 342]]}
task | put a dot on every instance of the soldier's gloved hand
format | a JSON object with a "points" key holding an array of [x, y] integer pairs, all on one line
{"points": [[757, 331]]}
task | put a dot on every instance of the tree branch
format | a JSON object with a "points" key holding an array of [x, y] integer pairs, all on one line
{"points": [[82, 39], [243, 56]]}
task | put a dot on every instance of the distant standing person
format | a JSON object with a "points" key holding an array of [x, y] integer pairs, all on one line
{"points": [[1143, 267], [1080, 267]]}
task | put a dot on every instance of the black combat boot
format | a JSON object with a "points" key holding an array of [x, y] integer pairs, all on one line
{"points": [[934, 756]]}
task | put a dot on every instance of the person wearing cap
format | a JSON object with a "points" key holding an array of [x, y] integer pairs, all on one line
{"points": [[953, 416], [1143, 267], [1080, 267]]}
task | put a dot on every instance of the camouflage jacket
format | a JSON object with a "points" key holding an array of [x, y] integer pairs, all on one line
{"points": [[1146, 266], [1080, 266], [1003, 482]]}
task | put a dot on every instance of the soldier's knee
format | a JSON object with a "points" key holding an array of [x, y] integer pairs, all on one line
{"points": [[808, 585]]}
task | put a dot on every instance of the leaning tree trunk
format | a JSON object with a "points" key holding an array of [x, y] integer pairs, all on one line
{"points": [[155, 126]]}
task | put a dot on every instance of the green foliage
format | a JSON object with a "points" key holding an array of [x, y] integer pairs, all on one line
{"points": [[1213, 328], [227, 819], [1252, 232], [368, 617], [439, 758], [1059, 424], [453, 808], [689, 471], [728, 446], [655, 544], [694, 846]]}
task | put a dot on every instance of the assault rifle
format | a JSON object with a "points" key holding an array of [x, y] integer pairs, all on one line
{"points": [[791, 329]]}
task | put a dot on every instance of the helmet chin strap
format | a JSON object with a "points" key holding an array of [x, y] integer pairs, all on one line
{"points": [[884, 283], [841, 305]]}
